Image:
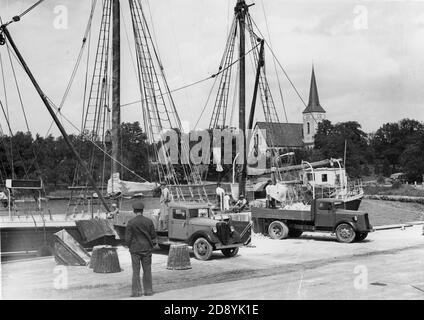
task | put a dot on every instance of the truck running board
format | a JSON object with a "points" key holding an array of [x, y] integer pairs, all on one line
{"points": [[219, 246]]}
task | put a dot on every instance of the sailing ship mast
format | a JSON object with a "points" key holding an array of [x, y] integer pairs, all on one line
{"points": [[242, 23], [116, 88], [240, 10]]}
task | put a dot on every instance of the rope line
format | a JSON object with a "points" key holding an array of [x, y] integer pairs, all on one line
{"points": [[275, 65], [191, 84], [18, 17]]}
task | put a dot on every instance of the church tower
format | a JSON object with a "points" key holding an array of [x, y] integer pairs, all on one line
{"points": [[313, 114]]}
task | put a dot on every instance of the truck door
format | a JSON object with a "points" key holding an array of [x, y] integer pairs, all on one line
{"points": [[178, 224], [325, 215]]}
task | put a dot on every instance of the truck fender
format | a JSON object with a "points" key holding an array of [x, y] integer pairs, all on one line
{"points": [[200, 234], [344, 221]]}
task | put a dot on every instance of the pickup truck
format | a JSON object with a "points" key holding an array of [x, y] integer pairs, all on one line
{"points": [[324, 215], [195, 224]]}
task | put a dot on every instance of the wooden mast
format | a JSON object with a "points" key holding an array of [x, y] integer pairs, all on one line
{"points": [[116, 88], [240, 10]]}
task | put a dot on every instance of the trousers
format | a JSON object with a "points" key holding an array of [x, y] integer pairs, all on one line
{"points": [[145, 260]]}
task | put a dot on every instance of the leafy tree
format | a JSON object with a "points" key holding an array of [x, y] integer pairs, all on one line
{"points": [[330, 142], [398, 147]]}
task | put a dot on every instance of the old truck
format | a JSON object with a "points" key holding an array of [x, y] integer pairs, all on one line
{"points": [[324, 215], [195, 224]]}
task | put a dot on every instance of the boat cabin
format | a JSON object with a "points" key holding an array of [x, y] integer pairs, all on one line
{"points": [[330, 177]]}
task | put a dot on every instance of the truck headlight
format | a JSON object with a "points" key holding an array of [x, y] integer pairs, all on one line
{"points": [[355, 218], [214, 230]]}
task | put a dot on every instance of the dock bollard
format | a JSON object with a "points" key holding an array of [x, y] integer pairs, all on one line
{"points": [[104, 259], [178, 257]]}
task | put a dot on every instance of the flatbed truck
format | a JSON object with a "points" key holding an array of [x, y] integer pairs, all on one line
{"points": [[325, 215]]}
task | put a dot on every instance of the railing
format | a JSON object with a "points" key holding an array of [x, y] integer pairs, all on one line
{"points": [[354, 188]]}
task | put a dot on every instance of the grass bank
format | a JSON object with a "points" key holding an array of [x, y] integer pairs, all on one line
{"points": [[403, 190]]}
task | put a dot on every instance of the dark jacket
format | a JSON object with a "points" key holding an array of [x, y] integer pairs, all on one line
{"points": [[139, 234]]}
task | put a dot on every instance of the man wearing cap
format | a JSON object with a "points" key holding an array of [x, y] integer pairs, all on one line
{"points": [[139, 236]]}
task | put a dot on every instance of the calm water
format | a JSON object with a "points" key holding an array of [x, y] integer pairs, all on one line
{"points": [[59, 207]]}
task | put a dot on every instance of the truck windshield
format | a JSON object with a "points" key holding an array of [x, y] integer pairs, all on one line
{"points": [[199, 213]]}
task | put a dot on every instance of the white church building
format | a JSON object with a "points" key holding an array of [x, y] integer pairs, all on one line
{"points": [[286, 137]]}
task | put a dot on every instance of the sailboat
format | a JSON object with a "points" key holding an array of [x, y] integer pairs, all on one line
{"points": [[101, 122]]}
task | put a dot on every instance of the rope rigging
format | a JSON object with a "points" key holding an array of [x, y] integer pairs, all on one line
{"points": [[18, 17], [158, 107], [284, 71], [80, 132], [267, 100], [6, 116], [274, 63]]}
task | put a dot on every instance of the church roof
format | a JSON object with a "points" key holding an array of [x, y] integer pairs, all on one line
{"points": [[282, 134], [313, 104]]}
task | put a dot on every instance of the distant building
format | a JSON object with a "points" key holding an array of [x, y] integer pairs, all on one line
{"points": [[285, 137], [281, 136]]}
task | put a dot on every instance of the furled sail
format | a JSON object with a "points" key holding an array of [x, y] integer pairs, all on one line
{"points": [[117, 186]]}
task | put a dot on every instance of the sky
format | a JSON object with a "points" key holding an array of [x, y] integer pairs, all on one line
{"points": [[368, 57]]}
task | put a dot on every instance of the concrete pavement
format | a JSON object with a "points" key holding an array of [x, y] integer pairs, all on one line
{"points": [[276, 268], [396, 275]]}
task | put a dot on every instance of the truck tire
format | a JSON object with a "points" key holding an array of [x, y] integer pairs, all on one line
{"points": [[278, 230], [295, 233], [202, 249], [231, 252], [361, 236], [345, 233]]}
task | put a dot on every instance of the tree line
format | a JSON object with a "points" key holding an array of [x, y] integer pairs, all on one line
{"points": [[23, 156], [394, 147]]}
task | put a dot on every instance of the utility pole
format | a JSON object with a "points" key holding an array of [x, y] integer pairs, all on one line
{"points": [[240, 10], [53, 114], [116, 88]]}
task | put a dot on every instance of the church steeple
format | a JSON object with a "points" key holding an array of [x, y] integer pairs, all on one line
{"points": [[313, 113], [313, 104]]}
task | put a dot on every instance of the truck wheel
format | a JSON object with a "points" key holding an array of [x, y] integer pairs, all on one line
{"points": [[361, 236], [278, 230], [345, 233], [231, 252], [295, 233], [202, 249]]}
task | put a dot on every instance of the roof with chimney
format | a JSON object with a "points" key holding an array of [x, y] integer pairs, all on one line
{"points": [[313, 104], [280, 135]]}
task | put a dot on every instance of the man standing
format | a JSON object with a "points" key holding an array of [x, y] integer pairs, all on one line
{"points": [[139, 236], [165, 198], [227, 200], [4, 199], [268, 190], [220, 192]]}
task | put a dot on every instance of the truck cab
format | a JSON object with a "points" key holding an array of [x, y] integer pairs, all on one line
{"points": [[348, 225]]}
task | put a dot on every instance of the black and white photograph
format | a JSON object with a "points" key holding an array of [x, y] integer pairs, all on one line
{"points": [[227, 151]]}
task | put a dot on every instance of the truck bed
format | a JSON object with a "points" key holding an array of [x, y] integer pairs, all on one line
{"points": [[268, 213]]}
